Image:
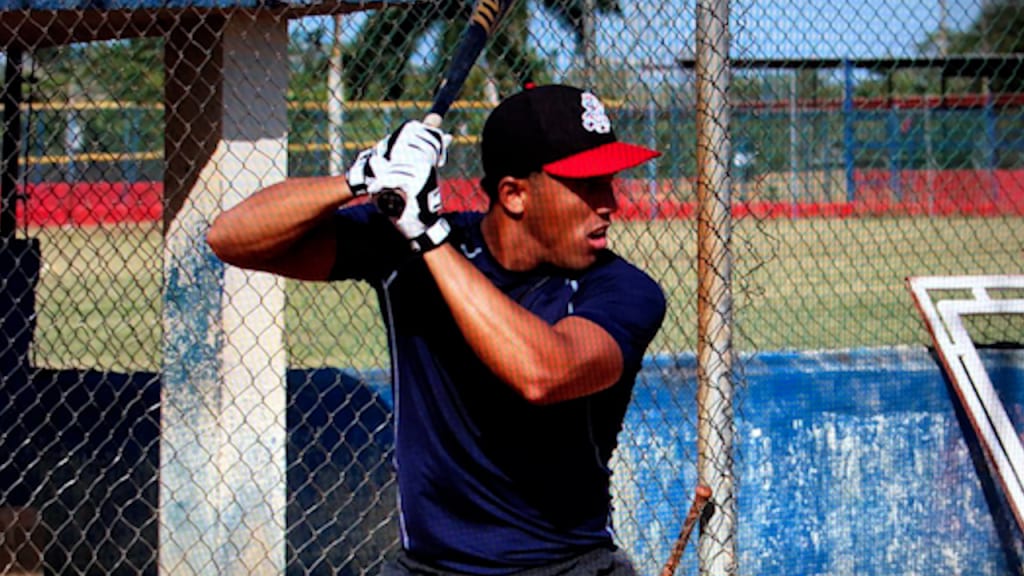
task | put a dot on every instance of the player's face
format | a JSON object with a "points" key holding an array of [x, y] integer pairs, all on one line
{"points": [[570, 218]]}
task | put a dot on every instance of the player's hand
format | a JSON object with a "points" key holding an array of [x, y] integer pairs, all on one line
{"points": [[420, 220], [414, 141], [361, 174]]}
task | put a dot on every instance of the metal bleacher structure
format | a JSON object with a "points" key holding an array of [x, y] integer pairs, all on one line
{"points": [[890, 111], [219, 145]]}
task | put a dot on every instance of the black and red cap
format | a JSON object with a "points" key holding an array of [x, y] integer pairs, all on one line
{"points": [[561, 130]]}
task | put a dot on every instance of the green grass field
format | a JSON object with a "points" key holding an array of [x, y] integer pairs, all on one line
{"points": [[798, 284]]}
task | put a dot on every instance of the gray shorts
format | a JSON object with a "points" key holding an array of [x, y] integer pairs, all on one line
{"points": [[598, 562]]}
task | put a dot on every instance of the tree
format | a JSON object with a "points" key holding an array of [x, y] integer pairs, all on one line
{"points": [[376, 64], [308, 60], [111, 77], [995, 32], [121, 70]]}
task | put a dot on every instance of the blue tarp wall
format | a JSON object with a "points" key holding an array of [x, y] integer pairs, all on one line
{"points": [[850, 462]]}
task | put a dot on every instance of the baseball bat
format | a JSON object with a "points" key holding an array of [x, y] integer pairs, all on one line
{"points": [[700, 500], [481, 25]]}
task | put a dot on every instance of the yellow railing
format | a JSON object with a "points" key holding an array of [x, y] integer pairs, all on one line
{"points": [[146, 156], [95, 157], [350, 105], [352, 146]]}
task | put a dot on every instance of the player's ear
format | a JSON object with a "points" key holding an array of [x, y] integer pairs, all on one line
{"points": [[512, 193]]}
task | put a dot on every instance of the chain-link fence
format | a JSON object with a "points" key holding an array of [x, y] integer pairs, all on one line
{"points": [[160, 411]]}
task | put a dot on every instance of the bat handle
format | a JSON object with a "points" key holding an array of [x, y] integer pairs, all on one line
{"points": [[700, 500], [391, 202]]}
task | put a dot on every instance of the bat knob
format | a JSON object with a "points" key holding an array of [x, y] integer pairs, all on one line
{"points": [[391, 203], [433, 120]]}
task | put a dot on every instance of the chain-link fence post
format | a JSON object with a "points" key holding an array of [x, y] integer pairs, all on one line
{"points": [[717, 550]]}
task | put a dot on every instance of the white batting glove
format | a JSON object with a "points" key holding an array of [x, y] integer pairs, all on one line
{"points": [[415, 142], [420, 221], [363, 170], [412, 142]]}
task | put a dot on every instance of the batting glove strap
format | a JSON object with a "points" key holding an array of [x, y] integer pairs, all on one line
{"points": [[433, 237]]}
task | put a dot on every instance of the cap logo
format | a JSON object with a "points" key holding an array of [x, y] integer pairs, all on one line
{"points": [[594, 117]]}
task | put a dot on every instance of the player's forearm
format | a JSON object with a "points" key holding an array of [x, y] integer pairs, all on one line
{"points": [[265, 226], [533, 357], [509, 339]]}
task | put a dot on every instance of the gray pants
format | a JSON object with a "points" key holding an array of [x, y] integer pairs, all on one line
{"points": [[598, 562]]}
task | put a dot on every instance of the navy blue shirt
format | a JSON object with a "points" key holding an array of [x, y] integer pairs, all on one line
{"points": [[489, 483]]}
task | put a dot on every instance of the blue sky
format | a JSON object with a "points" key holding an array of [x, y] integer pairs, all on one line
{"points": [[659, 32]]}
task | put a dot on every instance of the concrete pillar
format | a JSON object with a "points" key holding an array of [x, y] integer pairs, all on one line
{"points": [[222, 452]]}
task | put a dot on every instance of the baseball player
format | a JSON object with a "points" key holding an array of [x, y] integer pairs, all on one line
{"points": [[516, 335]]}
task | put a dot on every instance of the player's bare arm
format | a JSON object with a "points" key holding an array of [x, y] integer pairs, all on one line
{"points": [[544, 363], [285, 228]]}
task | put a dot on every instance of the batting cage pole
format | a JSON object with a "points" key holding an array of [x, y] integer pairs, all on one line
{"points": [[336, 99], [715, 428]]}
